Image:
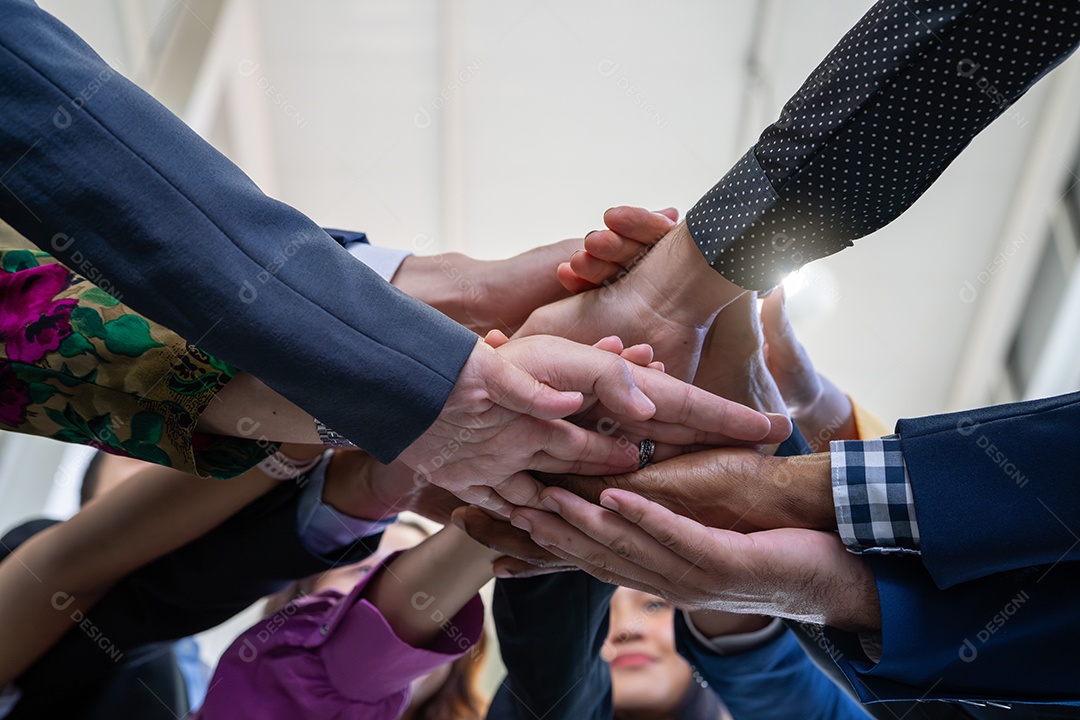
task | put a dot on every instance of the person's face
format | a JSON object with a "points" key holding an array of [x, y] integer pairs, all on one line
{"points": [[344, 578], [647, 674]]}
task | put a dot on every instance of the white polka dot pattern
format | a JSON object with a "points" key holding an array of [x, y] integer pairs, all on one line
{"points": [[873, 126]]}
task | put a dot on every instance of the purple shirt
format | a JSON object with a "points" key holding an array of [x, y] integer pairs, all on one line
{"points": [[330, 655]]}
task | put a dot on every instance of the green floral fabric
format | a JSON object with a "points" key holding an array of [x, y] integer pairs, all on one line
{"points": [[77, 365]]}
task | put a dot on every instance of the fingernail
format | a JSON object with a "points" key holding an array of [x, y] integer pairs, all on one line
{"points": [[458, 522], [503, 574], [642, 401], [609, 503], [551, 505], [521, 523]]}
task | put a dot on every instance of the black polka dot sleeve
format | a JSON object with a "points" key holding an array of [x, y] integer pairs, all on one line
{"points": [[873, 126]]}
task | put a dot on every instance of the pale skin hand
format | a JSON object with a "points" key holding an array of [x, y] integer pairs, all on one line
{"points": [[804, 575], [668, 300], [486, 295], [503, 417]]}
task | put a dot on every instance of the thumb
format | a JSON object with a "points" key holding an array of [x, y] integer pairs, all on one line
{"points": [[513, 388]]}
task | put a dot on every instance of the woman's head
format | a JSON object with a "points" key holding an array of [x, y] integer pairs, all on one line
{"points": [[647, 674]]}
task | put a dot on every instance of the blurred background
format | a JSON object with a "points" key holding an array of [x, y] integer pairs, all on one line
{"points": [[491, 126]]}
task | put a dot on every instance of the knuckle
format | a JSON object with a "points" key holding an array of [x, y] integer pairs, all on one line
{"points": [[622, 547]]}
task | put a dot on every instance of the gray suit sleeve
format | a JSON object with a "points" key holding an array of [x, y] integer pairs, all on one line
{"points": [[96, 172]]}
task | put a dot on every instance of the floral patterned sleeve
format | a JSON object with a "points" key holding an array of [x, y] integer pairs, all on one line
{"points": [[79, 366]]}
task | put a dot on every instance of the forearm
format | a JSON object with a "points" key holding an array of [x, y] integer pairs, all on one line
{"points": [[423, 587], [70, 566], [782, 206], [830, 416]]}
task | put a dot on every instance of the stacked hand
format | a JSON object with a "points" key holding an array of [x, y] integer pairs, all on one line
{"points": [[505, 416], [727, 529], [668, 298]]}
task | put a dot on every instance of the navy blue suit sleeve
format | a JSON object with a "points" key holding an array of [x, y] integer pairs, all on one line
{"points": [[551, 629], [99, 174], [996, 489], [986, 640], [776, 680]]}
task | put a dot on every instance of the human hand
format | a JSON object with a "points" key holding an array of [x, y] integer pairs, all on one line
{"points": [[487, 294], [804, 575], [668, 301], [821, 409], [673, 428], [521, 557], [502, 419], [359, 485], [729, 488], [630, 232], [733, 361]]}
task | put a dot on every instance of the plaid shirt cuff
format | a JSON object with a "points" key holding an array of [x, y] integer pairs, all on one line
{"points": [[875, 511]]}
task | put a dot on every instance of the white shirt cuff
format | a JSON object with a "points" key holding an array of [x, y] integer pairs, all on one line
{"points": [[736, 642], [382, 260]]}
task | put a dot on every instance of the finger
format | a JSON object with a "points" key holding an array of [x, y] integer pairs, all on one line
{"points": [[619, 252], [501, 536], [684, 537], [775, 324], [683, 404], [514, 388], [565, 364], [657, 366], [593, 269], [670, 213], [639, 224], [485, 497], [571, 281], [611, 344], [641, 354], [521, 488], [496, 338], [568, 446], [589, 534]]}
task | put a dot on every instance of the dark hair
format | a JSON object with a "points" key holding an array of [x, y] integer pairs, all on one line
{"points": [[91, 479]]}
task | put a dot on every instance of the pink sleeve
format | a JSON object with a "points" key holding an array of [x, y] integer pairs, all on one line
{"points": [[365, 660]]}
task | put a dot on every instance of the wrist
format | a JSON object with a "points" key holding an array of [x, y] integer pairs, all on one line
{"points": [[676, 281], [808, 482], [716, 623], [360, 487]]}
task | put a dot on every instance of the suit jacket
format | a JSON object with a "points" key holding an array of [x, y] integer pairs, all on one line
{"points": [[996, 489], [100, 175], [773, 682], [252, 554], [996, 581]]}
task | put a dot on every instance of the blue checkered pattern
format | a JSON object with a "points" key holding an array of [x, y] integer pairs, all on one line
{"points": [[875, 511]]}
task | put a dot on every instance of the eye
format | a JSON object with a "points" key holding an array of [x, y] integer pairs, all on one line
{"points": [[656, 605]]}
